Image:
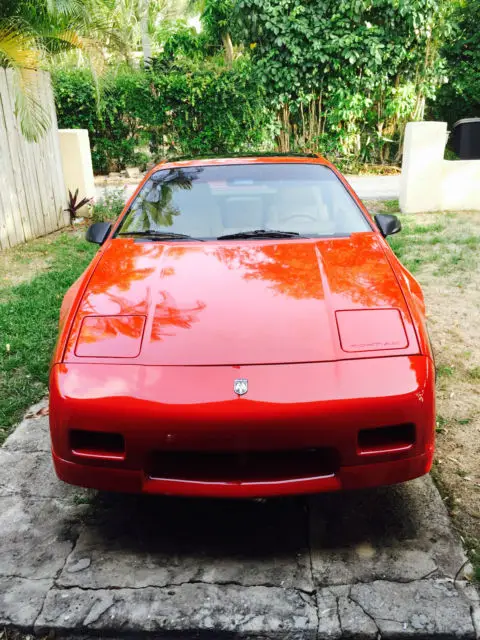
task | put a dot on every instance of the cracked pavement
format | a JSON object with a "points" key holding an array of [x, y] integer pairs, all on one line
{"points": [[373, 564]]}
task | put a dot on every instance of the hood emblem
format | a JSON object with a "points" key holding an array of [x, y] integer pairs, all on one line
{"points": [[240, 386]]}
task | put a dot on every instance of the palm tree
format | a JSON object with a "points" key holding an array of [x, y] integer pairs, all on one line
{"points": [[146, 41], [31, 31], [133, 22], [216, 17]]}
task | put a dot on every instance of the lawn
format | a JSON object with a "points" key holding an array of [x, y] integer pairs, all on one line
{"points": [[33, 280], [440, 249]]}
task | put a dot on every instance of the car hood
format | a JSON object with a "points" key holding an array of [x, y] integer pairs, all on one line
{"points": [[242, 302]]}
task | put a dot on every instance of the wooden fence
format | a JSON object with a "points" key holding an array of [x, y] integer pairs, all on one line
{"points": [[32, 189]]}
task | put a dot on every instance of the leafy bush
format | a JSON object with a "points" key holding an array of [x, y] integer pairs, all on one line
{"points": [[339, 77], [344, 76], [191, 108], [460, 96], [109, 206]]}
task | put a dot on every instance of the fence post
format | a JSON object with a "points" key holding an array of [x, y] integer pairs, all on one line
{"points": [[422, 167]]}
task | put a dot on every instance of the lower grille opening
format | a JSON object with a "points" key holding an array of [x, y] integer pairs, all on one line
{"points": [[391, 438], [252, 466], [97, 443]]}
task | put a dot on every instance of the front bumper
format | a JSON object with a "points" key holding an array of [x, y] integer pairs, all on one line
{"points": [[131, 481], [287, 408]]}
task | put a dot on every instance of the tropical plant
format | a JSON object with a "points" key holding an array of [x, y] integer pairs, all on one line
{"points": [[459, 97], [109, 206], [192, 107], [30, 32], [133, 25], [74, 204], [216, 18], [346, 74]]}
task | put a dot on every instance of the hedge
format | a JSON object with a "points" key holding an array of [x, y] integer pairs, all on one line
{"points": [[135, 115]]}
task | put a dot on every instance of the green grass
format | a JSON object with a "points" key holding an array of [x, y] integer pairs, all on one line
{"points": [[449, 242], [28, 322], [390, 206], [474, 374], [444, 371]]}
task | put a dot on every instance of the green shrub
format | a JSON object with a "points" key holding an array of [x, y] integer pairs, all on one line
{"points": [[345, 76], [109, 206], [460, 96], [192, 108]]}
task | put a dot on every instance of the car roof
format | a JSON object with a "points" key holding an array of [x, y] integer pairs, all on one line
{"points": [[262, 158]]}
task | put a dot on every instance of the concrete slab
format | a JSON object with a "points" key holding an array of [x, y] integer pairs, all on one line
{"points": [[166, 542], [433, 608], [21, 601], [399, 533], [187, 610], [368, 564], [36, 536]]}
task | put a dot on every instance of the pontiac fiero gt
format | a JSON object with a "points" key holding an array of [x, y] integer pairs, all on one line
{"points": [[244, 330]]}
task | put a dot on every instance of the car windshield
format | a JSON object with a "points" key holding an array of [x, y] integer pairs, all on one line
{"points": [[243, 200]]}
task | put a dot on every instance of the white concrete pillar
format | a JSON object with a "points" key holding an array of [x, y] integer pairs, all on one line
{"points": [[422, 167], [77, 163]]}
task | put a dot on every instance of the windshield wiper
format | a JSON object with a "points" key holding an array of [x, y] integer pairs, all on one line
{"points": [[160, 235], [260, 233]]}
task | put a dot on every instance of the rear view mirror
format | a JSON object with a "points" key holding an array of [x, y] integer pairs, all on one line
{"points": [[98, 232], [388, 224]]}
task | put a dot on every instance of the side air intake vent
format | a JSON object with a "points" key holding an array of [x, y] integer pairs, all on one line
{"points": [[392, 438]]}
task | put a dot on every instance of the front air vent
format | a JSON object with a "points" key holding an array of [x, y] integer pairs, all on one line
{"points": [[389, 439], [99, 444]]}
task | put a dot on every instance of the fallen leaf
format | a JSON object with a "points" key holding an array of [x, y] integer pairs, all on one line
{"points": [[41, 412]]}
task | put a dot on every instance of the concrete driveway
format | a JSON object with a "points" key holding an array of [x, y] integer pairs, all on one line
{"points": [[371, 564], [376, 187]]}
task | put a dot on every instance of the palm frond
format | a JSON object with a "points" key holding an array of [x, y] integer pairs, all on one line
{"points": [[20, 52], [18, 49], [33, 117], [65, 7]]}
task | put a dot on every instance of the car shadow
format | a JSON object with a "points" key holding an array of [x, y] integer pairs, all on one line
{"points": [[228, 528], [398, 533], [236, 528]]}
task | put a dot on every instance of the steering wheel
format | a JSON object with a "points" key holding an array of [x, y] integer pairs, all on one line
{"points": [[304, 217]]}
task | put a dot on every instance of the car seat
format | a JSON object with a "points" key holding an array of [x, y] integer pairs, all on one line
{"points": [[300, 208]]}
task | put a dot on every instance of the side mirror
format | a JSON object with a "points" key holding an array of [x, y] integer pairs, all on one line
{"points": [[388, 224], [98, 232]]}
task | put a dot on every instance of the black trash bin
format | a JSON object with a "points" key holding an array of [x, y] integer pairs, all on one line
{"points": [[466, 138]]}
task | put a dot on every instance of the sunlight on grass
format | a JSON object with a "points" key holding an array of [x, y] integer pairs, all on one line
{"points": [[449, 241], [390, 206]]}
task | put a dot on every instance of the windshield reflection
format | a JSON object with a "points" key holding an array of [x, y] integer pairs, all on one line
{"points": [[154, 206]]}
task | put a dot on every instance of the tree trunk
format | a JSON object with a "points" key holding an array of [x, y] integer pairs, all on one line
{"points": [[228, 46], [283, 139], [146, 43]]}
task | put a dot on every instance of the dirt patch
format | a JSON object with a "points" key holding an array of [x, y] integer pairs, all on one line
{"points": [[443, 252], [454, 323], [24, 262]]}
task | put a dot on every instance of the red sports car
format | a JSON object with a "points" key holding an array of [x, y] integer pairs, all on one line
{"points": [[244, 330]]}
